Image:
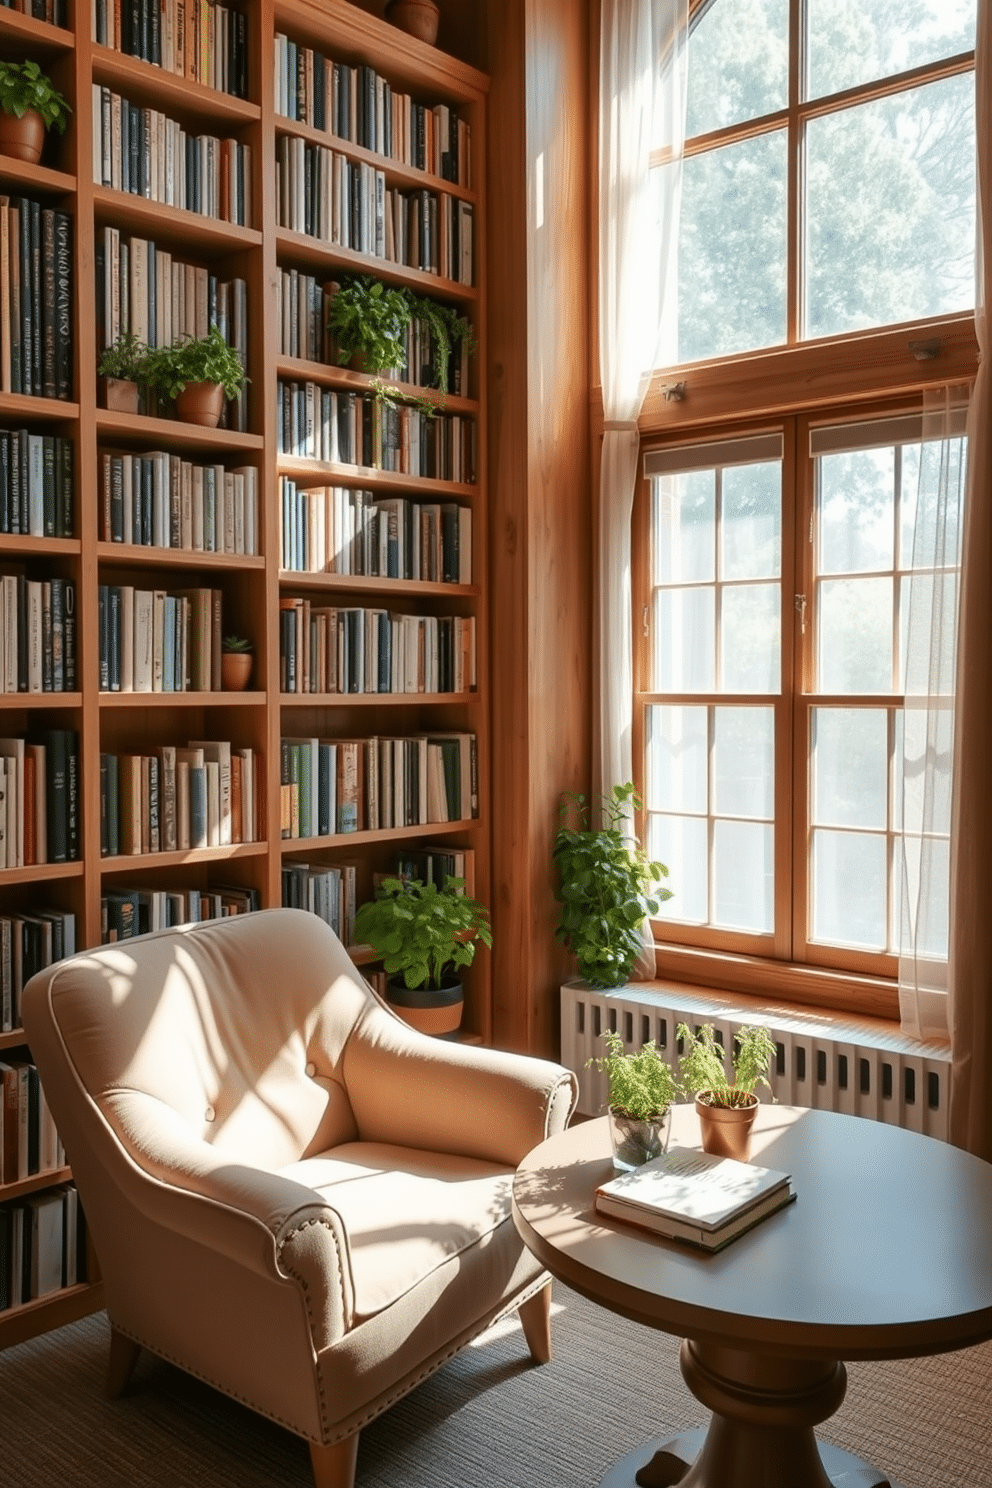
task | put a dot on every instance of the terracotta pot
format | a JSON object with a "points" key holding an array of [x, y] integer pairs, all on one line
{"points": [[436, 1011], [119, 395], [417, 17], [235, 670], [201, 403], [23, 138], [726, 1130]]}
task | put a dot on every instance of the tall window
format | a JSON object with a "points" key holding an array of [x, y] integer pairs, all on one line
{"points": [[828, 192]]}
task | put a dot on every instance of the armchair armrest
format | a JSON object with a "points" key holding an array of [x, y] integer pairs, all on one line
{"points": [[415, 1091]]}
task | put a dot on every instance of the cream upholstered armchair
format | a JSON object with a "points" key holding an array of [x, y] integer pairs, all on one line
{"points": [[292, 1194]]}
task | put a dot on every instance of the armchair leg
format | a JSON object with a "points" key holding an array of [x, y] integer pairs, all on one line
{"points": [[334, 1466], [120, 1366], [535, 1319]]}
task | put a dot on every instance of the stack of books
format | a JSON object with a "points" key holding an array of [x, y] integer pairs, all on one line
{"points": [[692, 1196]]}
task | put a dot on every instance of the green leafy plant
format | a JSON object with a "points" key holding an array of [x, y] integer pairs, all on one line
{"points": [[236, 645], [608, 885], [642, 1085], [420, 931], [447, 329], [368, 317], [210, 359], [23, 87], [125, 358], [703, 1072]]}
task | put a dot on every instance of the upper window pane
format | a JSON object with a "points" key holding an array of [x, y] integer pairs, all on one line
{"points": [[891, 209], [850, 42], [738, 63]]}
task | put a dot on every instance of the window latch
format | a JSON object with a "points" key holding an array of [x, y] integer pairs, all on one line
{"points": [[801, 611], [646, 623]]}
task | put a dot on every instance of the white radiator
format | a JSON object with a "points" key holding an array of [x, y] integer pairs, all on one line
{"points": [[860, 1066]]}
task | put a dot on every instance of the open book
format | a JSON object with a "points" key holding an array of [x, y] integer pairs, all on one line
{"points": [[692, 1196]]}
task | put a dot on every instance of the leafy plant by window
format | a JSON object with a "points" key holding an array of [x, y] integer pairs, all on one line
{"points": [[211, 359], [423, 933], [608, 885], [642, 1085], [702, 1070], [126, 358], [369, 317], [23, 87]]}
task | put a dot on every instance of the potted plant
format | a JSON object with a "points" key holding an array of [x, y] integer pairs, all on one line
{"points": [[726, 1104], [418, 18], [447, 330], [642, 1088], [367, 320], [122, 368], [425, 935], [199, 375], [29, 105], [235, 663], [607, 887]]}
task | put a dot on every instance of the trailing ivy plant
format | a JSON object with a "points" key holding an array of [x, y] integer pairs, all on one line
{"points": [[422, 932], [210, 359], [24, 87], [447, 330], [608, 885], [641, 1085], [703, 1072]]}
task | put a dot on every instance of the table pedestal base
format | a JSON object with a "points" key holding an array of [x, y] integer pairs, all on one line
{"points": [[761, 1432]]}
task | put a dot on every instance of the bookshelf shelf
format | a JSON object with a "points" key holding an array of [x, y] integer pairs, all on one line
{"points": [[32, 178], [369, 584], [152, 557], [367, 475], [148, 84], [34, 873], [19, 1324], [395, 172], [141, 862], [300, 248], [16, 545], [35, 1182], [25, 406], [294, 369], [35, 701], [15, 27], [344, 840], [380, 699], [220, 699], [156, 433], [203, 235]]}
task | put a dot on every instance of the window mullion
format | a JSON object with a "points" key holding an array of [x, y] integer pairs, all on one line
{"points": [[795, 225]]}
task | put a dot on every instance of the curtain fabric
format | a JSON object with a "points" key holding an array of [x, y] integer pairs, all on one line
{"points": [[970, 954], [643, 58]]}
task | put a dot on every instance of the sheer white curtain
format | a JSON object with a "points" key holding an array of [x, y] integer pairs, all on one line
{"points": [[642, 109], [928, 717]]}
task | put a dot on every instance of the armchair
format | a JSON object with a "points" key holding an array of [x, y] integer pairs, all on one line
{"points": [[292, 1194]]}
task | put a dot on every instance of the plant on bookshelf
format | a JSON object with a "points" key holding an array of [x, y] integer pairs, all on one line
{"points": [[367, 319], [198, 374], [447, 330], [235, 663], [426, 936], [123, 368], [30, 104]]}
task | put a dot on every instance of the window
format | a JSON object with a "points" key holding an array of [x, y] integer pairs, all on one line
{"points": [[828, 194]]}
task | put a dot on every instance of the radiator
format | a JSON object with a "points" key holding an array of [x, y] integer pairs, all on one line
{"points": [[860, 1066]]}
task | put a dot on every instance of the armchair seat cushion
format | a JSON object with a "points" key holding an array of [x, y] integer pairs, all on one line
{"points": [[406, 1212]]}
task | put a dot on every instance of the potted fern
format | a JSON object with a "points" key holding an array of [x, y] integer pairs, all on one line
{"points": [[30, 104], [725, 1103], [642, 1088], [426, 936], [198, 375], [122, 369]]}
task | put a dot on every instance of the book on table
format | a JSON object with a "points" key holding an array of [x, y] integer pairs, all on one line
{"points": [[696, 1197]]}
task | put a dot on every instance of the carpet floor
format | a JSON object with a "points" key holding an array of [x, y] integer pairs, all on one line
{"points": [[488, 1419]]}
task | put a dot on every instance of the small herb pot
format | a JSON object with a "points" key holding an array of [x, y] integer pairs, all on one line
{"points": [[434, 1010], [119, 395], [637, 1142], [726, 1130], [24, 137], [235, 670], [201, 403]]}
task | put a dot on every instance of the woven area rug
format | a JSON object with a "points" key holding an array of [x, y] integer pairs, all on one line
{"points": [[488, 1419]]}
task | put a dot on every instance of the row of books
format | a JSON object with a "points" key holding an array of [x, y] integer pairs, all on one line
{"points": [[347, 530], [42, 1245], [208, 793], [36, 267], [29, 943], [37, 634], [302, 304], [141, 288], [328, 649], [433, 865], [29, 1142], [125, 913], [36, 484], [52, 11], [152, 641], [328, 892], [346, 203], [338, 786], [39, 799], [196, 39], [160, 500], [355, 104], [145, 153], [330, 425]]}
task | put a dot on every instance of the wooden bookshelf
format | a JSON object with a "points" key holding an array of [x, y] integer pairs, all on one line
{"points": [[252, 585]]}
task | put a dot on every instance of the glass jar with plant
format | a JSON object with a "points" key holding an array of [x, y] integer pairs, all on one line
{"points": [[123, 368], [367, 320], [426, 936], [726, 1103], [30, 104], [199, 375], [642, 1088], [608, 886], [235, 663]]}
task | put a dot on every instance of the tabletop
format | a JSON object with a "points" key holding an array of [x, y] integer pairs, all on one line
{"points": [[886, 1253]]}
